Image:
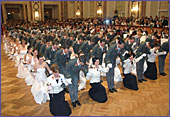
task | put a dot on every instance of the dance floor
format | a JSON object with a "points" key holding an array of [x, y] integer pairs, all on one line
{"points": [[152, 98]]}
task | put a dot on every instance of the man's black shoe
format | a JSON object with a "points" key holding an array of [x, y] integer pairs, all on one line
{"points": [[74, 104], [110, 90], [114, 89], [163, 74], [140, 81], [78, 103], [144, 80]]}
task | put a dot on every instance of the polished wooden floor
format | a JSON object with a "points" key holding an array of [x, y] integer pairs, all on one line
{"points": [[152, 98]]}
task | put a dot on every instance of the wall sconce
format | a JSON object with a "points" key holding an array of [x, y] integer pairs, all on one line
{"points": [[135, 9], [99, 11], [36, 15], [78, 13]]}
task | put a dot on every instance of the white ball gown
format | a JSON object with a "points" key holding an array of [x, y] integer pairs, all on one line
{"points": [[29, 80], [21, 69], [39, 88]]}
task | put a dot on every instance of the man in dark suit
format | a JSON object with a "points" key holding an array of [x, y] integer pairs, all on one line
{"points": [[62, 57], [97, 38], [76, 45], [31, 38], [72, 71], [111, 55], [44, 47], [64, 40], [128, 45], [70, 40], [86, 47], [50, 52], [161, 58], [98, 50], [39, 45], [144, 48]]}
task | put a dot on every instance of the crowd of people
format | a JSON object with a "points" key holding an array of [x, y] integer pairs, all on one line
{"points": [[59, 57]]}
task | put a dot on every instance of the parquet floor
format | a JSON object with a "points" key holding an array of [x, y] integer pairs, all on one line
{"points": [[152, 98]]}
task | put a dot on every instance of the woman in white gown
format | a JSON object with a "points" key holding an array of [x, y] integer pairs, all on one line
{"points": [[30, 62], [22, 51], [16, 46], [39, 87]]}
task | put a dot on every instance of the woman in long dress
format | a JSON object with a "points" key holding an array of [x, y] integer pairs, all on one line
{"points": [[39, 88], [22, 51], [30, 61], [129, 81], [97, 92], [56, 83], [16, 47], [151, 71]]}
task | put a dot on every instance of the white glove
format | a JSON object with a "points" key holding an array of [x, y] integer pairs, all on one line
{"points": [[109, 65], [68, 81], [164, 52], [48, 61], [144, 55], [50, 72], [126, 52]]}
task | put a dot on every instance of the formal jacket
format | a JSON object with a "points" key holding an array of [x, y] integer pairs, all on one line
{"points": [[142, 49], [86, 47], [128, 46], [164, 47], [37, 45], [95, 73], [112, 54], [76, 46], [72, 69], [97, 51], [34, 42], [43, 49], [61, 58], [50, 54], [55, 87]]}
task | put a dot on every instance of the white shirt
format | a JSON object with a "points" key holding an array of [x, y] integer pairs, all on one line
{"points": [[101, 47], [152, 56], [128, 66], [94, 73], [53, 86]]}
